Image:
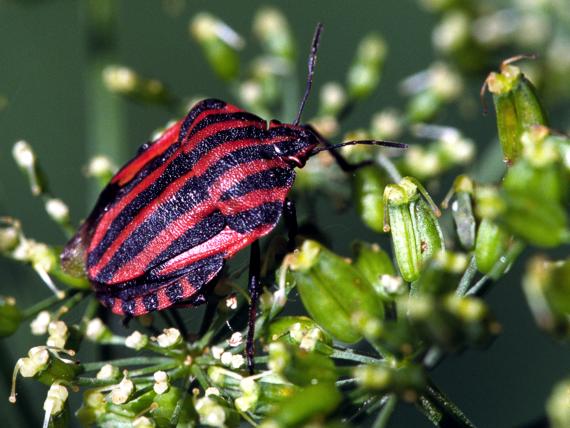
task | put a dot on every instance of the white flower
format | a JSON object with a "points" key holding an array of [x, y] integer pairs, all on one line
{"points": [[55, 400], [136, 340], [210, 412], [108, 372], [121, 393], [236, 339], [39, 325], [169, 338], [95, 329], [161, 382]]}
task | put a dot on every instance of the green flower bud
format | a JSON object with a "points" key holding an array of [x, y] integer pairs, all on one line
{"points": [[433, 324], [416, 235], [557, 405], [462, 210], [101, 168], [404, 380], [332, 290], [478, 327], [538, 173], [92, 407], [491, 244], [125, 81], [366, 69], [517, 108], [219, 43], [441, 274], [214, 411], [368, 185], [163, 406], [300, 331], [374, 263], [272, 29], [547, 288], [452, 322], [386, 125], [10, 316], [10, 235], [538, 221], [26, 160], [333, 99], [300, 367], [315, 401]]}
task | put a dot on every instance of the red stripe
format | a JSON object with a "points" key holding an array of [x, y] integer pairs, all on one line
{"points": [[120, 205], [227, 109], [214, 128], [168, 138], [228, 241], [177, 228]]}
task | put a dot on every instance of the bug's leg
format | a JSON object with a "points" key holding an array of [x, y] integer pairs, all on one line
{"points": [[290, 215], [345, 165], [253, 289], [209, 313]]}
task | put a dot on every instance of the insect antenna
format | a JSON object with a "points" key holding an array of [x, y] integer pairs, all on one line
{"points": [[311, 64], [364, 142]]}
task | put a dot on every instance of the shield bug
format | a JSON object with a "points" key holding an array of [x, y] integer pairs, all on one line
{"points": [[212, 184]]}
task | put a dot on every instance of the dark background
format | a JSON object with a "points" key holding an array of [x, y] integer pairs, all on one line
{"points": [[43, 76]]}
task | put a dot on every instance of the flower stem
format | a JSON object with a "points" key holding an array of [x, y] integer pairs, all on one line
{"points": [[134, 361], [32, 311], [385, 412], [500, 267], [467, 277]]}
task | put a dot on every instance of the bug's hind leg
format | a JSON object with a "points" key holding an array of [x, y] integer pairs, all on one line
{"points": [[290, 216], [253, 289]]}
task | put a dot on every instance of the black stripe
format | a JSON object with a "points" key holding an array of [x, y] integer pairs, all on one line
{"points": [[174, 292], [213, 119], [180, 166], [248, 221], [150, 302], [197, 273], [200, 107], [189, 195], [268, 179]]}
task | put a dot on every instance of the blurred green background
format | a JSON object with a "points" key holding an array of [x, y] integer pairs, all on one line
{"points": [[44, 78]]}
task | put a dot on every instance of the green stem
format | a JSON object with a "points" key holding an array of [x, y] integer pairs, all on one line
{"points": [[200, 376], [386, 412], [389, 167], [350, 355], [448, 407], [33, 310], [499, 268], [467, 277], [134, 361], [180, 403]]}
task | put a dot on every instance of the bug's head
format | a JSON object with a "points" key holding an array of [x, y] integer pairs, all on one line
{"points": [[294, 143]]}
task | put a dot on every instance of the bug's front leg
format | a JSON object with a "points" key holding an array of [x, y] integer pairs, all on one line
{"points": [[253, 289]]}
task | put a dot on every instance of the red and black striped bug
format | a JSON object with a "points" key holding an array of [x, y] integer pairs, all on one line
{"points": [[211, 185]]}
